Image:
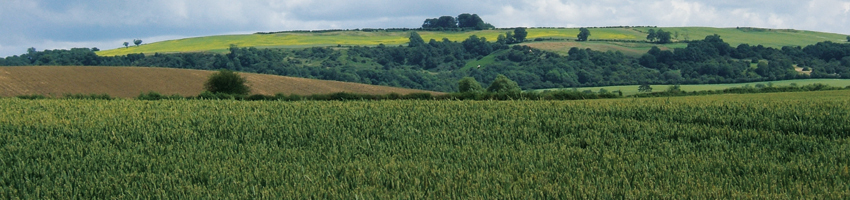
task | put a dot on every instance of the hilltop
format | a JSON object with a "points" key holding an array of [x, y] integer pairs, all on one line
{"points": [[553, 39], [128, 82]]}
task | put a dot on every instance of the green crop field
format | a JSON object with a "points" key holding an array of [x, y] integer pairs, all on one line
{"points": [[762, 146], [769, 38], [633, 89]]}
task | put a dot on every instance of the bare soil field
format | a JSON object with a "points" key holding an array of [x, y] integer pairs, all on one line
{"points": [[129, 82]]}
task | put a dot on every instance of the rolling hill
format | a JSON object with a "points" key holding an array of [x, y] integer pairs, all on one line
{"points": [[128, 82], [557, 39]]}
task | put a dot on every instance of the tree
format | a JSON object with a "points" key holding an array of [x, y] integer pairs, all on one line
{"points": [[519, 34], [848, 38], [651, 36], [674, 89], [469, 84], [415, 40], [501, 40], [442, 22], [126, 44], [503, 85], [583, 34], [228, 82], [137, 42], [467, 20], [663, 37], [645, 88], [509, 38]]}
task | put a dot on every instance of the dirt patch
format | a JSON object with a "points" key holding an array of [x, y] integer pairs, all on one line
{"points": [[800, 70], [129, 82]]}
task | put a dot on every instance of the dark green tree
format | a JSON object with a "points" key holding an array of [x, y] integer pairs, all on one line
{"points": [[501, 39], [583, 34], [848, 38], [415, 40], [520, 34], [442, 22], [663, 36], [503, 84], [469, 84], [509, 38], [126, 44], [645, 88], [137, 42], [651, 36], [228, 82]]}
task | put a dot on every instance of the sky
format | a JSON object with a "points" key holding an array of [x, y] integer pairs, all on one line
{"points": [[107, 24]]}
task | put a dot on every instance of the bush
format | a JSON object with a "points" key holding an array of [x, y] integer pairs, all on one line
{"points": [[151, 96], [88, 96], [419, 96], [503, 85], [469, 84], [32, 97], [227, 82]]}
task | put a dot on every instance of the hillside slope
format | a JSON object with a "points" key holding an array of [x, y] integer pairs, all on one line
{"points": [[734, 36], [128, 82]]}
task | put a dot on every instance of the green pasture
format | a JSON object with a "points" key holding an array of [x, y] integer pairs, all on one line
{"points": [[633, 89], [627, 48], [766, 37], [218, 44]]}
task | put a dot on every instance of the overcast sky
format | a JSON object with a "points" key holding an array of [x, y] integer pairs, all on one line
{"points": [[106, 24]]}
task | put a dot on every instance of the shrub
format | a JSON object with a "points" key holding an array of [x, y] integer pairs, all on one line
{"points": [[151, 96], [503, 85], [228, 82], [469, 84], [32, 97]]}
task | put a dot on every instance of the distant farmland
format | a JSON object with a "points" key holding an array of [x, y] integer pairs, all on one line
{"points": [[557, 39], [128, 82], [633, 89]]}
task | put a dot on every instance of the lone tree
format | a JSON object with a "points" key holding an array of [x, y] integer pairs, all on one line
{"points": [[137, 42], [126, 44], [645, 88], [228, 82], [503, 85], [520, 34], [583, 34], [848, 38], [469, 84], [651, 36], [663, 37]]}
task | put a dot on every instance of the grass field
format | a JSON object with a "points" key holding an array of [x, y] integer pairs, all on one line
{"points": [[762, 146], [773, 38], [128, 82], [633, 89], [627, 48]]}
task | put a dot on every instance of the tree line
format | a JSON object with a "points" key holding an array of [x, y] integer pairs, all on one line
{"points": [[438, 64]]}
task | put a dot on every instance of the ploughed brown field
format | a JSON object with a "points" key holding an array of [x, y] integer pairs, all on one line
{"points": [[129, 82]]}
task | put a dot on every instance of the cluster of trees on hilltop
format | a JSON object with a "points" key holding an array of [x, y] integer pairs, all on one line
{"points": [[660, 36], [437, 65], [463, 21]]}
